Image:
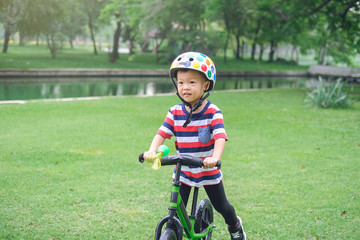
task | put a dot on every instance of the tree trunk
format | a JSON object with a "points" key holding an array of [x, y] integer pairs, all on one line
{"points": [[297, 55], [51, 45], [322, 55], [115, 54], [92, 33], [261, 52], [156, 49], [272, 51], [21, 39], [145, 45], [6, 39], [237, 51], [295, 50], [242, 50], [131, 45], [253, 50], [225, 46], [8, 27]]}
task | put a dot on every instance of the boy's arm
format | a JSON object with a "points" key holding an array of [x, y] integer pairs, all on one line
{"points": [[219, 146], [156, 142]]}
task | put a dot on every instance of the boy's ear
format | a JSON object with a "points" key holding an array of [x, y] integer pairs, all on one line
{"points": [[207, 85]]}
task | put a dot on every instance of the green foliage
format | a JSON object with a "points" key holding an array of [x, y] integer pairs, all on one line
{"points": [[329, 95], [329, 27]]}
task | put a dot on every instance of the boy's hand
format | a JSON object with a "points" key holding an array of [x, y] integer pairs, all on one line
{"points": [[149, 154], [210, 162]]}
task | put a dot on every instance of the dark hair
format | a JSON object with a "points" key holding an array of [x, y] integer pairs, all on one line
{"points": [[184, 70]]}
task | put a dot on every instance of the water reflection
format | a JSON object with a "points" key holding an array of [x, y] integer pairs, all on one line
{"points": [[13, 89]]}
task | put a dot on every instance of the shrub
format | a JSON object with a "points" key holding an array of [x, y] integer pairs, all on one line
{"points": [[329, 95]]}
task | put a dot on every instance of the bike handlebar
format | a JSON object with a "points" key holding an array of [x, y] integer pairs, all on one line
{"points": [[184, 159]]}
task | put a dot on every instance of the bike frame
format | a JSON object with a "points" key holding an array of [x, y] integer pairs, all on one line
{"points": [[178, 215]]}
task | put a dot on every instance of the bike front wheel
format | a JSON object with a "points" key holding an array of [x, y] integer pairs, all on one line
{"points": [[204, 216], [168, 234]]}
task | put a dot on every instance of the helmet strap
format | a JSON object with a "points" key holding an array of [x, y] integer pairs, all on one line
{"points": [[192, 108]]}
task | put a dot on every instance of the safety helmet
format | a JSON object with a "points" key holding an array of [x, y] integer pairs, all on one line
{"points": [[195, 61], [198, 62]]}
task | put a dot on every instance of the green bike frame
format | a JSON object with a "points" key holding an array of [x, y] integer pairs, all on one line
{"points": [[178, 216]]}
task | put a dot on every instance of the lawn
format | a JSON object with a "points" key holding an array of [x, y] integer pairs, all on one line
{"points": [[69, 170], [32, 56]]}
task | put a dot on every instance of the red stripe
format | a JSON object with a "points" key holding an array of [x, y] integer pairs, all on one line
{"points": [[169, 121], [220, 135], [196, 144], [164, 134], [211, 110], [217, 121], [178, 112], [201, 174], [190, 128], [187, 129]]}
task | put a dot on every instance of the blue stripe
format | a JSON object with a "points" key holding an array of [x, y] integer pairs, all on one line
{"points": [[206, 116], [168, 126], [187, 134], [179, 117], [196, 149], [219, 125], [195, 116]]}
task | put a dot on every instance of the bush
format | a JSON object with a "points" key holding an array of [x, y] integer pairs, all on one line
{"points": [[329, 95]]}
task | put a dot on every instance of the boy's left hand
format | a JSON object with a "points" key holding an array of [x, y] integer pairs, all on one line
{"points": [[210, 162]]}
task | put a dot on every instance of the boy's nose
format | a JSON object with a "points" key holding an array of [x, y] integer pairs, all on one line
{"points": [[186, 86]]}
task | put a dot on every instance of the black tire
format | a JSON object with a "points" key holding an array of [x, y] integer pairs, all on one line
{"points": [[204, 216], [168, 234]]}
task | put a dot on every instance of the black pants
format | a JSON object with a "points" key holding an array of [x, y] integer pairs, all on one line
{"points": [[216, 194]]}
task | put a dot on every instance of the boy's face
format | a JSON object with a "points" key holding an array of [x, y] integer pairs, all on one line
{"points": [[191, 85]]}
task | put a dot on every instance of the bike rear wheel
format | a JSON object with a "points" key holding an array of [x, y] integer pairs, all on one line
{"points": [[204, 216], [168, 234]]}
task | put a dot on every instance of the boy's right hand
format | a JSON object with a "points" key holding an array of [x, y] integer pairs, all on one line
{"points": [[149, 154]]}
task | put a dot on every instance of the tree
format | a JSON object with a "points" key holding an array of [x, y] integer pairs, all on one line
{"points": [[74, 21], [127, 15], [10, 14], [343, 26], [92, 9], [333, 30], [132, 20], [158, 24], [113, 11]]}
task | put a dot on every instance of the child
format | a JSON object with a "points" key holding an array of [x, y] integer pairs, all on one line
{"points": [[198, 127]]}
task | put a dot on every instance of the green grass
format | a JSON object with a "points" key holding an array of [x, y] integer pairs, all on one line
{"points": [[69, 170], [32, 56]]}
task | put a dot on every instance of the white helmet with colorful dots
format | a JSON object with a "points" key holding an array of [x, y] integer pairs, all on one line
{"points": [[198, 62], [195, 61]]}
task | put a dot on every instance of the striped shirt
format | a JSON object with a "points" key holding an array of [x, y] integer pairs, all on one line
{"points": [[197, 139]]}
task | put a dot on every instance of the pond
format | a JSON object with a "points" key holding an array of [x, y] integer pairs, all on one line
{"points": [[55, 88]]}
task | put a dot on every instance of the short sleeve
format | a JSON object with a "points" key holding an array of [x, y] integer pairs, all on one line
{"points": [[167, 128], [217, 125]]}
